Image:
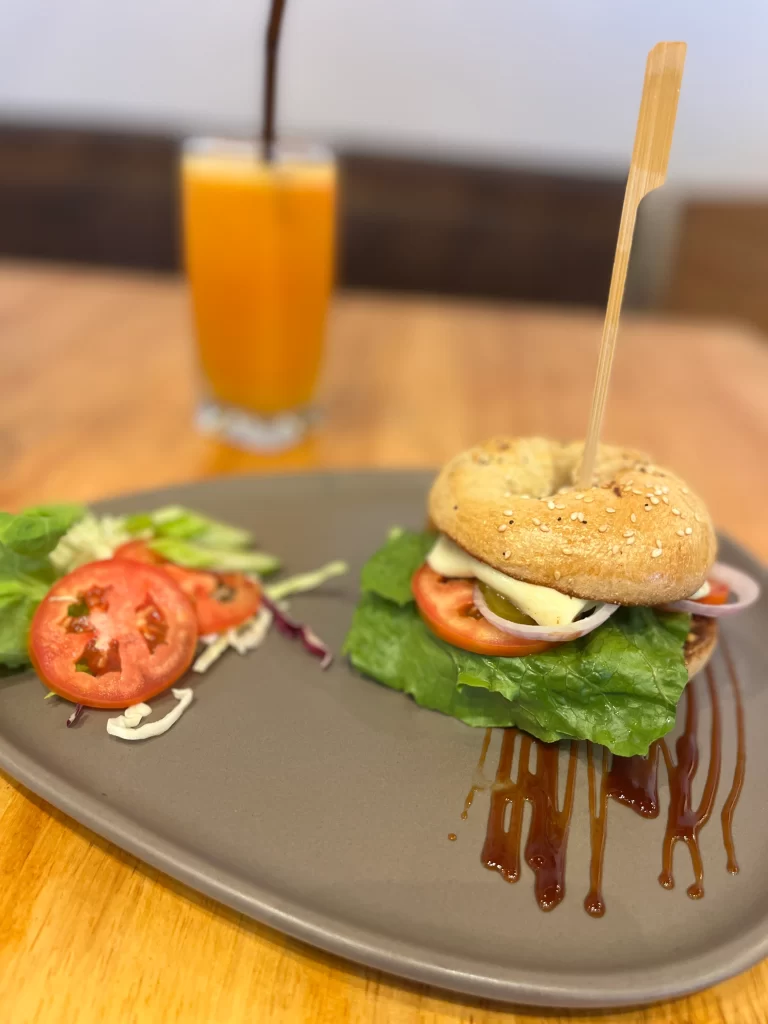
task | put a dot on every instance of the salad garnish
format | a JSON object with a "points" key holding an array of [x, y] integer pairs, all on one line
{"points": [[310, 639], [100, 603], [128, 725], [75, 716]]}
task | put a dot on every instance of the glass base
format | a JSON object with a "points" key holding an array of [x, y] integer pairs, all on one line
{"points": [[252, 432]]}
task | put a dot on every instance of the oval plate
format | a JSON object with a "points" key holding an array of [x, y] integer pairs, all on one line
{"points": [[320, 803]]}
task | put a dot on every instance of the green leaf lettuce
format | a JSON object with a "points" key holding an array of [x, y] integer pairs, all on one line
{"points": [[618, 686], [26, 571]]}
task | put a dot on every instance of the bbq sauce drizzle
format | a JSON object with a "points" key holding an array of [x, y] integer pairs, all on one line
{"points": [[632, 781]]}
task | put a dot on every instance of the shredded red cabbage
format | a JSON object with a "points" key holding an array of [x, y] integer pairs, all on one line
{"points": [[74, 717], [289, 627]]}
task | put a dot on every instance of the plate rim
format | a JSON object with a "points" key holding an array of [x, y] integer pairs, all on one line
{"points": [[397, 957]]}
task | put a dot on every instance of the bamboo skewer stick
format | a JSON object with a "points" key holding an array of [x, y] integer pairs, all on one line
{"points": [[647, 171]]}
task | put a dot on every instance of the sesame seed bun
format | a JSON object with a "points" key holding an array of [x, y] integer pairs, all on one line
{"points": [[700, 644], [639, 536]]}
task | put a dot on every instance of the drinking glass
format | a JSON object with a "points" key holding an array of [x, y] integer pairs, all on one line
{"points": [[259, 240]]}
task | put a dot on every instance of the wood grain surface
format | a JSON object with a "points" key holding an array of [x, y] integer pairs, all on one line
{"points": [[97, 399]]}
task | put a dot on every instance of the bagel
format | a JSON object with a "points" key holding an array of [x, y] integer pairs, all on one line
{"points": [[638, 536], [700, 644]]}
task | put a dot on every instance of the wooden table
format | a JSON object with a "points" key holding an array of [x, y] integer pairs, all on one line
{"points": [[97, 398]]}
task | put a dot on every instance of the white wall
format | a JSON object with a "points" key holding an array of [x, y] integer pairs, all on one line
{"points": [[551, 80]]}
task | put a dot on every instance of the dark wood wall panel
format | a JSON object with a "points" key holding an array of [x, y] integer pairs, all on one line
{"points": [[472, 230], [411, 225], [721, 264]]}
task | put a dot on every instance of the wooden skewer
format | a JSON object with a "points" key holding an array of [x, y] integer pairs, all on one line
{"points": [[648, 170]]}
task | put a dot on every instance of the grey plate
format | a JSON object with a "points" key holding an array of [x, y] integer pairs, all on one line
{"points": [[321, 803]]}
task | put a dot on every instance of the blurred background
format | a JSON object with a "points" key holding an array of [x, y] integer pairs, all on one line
{"points": [[483, 143]]}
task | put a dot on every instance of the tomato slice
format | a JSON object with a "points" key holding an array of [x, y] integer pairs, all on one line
{"points": [[139, 551], [113, 633], [222, 600], [449, 610], [718, 594]]}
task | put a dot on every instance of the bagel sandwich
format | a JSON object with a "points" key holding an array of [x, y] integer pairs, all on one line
{"points": [[569, 612]]}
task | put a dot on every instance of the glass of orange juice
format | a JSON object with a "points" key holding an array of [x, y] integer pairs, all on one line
{"points": [[259, 242]]}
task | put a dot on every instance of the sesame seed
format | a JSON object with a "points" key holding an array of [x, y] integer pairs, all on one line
{"points": [[574, 515], [610, 510], [559, 506], [665, 499], [630, 540], [602, 529], [507, 494], [656, 552], [675, 511], [654, 500], [615, 549], [665, 489], [633, 517], [550, 504], [544, 528], [536, 522], [588, 499], [647, 508], [579, 497], [658, 543], [629, 533], [525, 495], [697, 517], [505, 554], [688, 531], [685, 490], [508, 512], [567, 551], [658, 490], [502, 528], [557, 574], [680, 533], [636, 491]]}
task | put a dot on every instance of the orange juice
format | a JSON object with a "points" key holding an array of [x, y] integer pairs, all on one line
{"points": [[259, 245]]}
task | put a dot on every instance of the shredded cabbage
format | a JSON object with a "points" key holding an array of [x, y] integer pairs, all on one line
{"points": [[246, 637], [305, 581], [128, 725], [89, 540]]}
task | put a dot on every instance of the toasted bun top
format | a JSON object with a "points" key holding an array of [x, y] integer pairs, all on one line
{"points": [[639, 536]]}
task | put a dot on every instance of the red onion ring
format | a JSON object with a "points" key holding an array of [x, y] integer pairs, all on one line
{"points": [[742, 586], [568, 631]]}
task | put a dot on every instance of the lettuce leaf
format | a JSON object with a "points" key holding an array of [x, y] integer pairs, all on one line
{"points": [[618, 686], [198, 556], [26, 571], [199, 542], [185, 524]]}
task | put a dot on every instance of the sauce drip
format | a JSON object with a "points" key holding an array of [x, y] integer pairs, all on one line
{"points": [[594, 904], [683, 821], [479, 781], [632, 781], [547, 840], [726, 817]]}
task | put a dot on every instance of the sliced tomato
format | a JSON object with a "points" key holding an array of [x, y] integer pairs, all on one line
{"points": [[718, 594], [222, 600], [113, 633], [448, 609], [139, 551]]}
